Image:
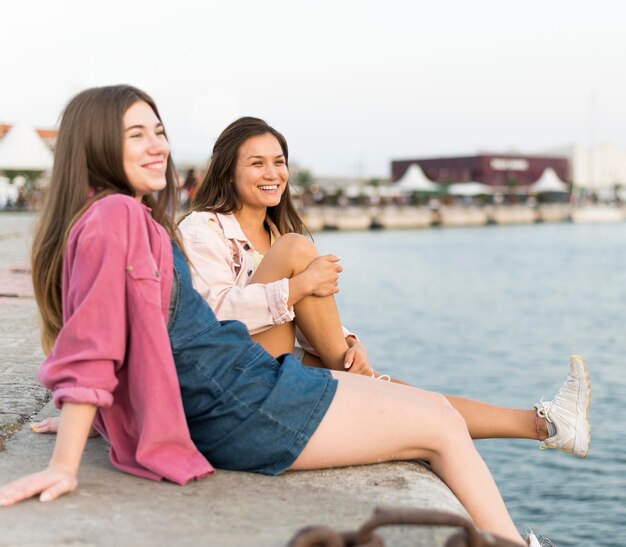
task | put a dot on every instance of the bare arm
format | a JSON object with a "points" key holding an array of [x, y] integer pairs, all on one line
{"points": [[318, 279], [60, 475]]}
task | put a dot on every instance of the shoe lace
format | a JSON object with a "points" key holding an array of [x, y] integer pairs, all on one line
{"points": [[546, 406], [384, 377], [545, 542]]}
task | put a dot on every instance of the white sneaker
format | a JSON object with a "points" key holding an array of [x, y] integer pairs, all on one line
{"points": [[533, 541], [569, 411]]}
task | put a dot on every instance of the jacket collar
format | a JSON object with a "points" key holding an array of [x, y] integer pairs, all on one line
{"points": [[232, 228]]}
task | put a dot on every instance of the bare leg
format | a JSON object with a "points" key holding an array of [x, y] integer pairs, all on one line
{"points": [[485, 421], [319, 321], [317, 317], [380, 421], [278, 339]]}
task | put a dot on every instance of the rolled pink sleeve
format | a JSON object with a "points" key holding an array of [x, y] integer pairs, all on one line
{"points": [[91, 345]]}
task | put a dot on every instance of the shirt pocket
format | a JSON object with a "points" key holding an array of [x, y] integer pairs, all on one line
{"points": [[144, 282]]}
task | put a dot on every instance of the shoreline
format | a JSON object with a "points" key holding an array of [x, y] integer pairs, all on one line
{"points": [[390, 217]]}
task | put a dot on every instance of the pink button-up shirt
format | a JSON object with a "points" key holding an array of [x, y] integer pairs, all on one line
{"points": [[113, 350], [222, 265]]}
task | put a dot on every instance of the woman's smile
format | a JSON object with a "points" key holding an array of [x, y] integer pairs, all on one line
{"points": [[261, 173]]}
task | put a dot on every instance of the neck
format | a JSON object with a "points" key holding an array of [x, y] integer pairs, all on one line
{"points": [[251, 220]]}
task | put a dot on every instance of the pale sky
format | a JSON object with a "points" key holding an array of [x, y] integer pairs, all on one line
{"points": [[351, 84]]}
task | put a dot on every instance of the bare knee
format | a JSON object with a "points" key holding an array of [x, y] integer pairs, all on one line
{"points": [[452, 429], [299, 250], [444, 434], [440, 399]]}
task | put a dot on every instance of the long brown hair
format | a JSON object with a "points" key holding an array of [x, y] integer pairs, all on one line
{"points": [[88, 165], [216, 192]]}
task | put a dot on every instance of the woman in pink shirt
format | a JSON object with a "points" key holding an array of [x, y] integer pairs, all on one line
{"points": [[126, 333]]}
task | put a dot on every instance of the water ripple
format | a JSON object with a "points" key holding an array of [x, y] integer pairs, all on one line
{"points": [[493, 313]]}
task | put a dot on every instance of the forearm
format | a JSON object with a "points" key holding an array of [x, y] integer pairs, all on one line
{"points": [[299, 287], [74, 428]]}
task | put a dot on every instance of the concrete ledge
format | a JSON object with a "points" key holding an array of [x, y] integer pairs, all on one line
{"points": [[112, 508], [21, 396], [513, 214], [405, 217], [463, 216], [554, 212], [230, 508]]}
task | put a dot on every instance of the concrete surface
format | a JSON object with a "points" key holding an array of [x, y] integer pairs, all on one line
{"points": [[20, 352], [112, 508]]}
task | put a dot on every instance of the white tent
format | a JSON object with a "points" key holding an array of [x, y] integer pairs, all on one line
{"points": [[414, 180], [23, 150], [549, 181], [469, 189]]}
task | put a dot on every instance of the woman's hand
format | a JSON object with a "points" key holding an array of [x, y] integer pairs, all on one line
{"points": [[60, 476], [356, 359], [323, 275], [49, 484]]}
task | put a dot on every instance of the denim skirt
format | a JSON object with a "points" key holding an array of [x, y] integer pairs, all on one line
{"points": [[245, 409]]}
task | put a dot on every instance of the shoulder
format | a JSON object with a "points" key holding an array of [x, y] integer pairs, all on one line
{"points": [[199, 225], [113, 209], [110, 217]]}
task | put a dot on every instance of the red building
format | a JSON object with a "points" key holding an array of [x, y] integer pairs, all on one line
{"points": [[491, 169]]}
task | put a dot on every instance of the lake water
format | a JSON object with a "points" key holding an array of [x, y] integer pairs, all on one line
{"points": [[493, 313]]}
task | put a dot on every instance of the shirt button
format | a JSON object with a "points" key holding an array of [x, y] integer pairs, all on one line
{"points": [[157, 273], [246, 247], [129, 268], [249, 273]]}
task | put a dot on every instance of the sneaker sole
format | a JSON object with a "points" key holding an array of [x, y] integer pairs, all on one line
{"points": [[581, 449]]}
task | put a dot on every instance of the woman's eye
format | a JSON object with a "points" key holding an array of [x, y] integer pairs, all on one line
{"points": [[134, 135]]}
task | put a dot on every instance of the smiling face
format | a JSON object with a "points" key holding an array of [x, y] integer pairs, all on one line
{"points": [[145, 150], [261, 172]]}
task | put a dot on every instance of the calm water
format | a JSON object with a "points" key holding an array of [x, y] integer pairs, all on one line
{"points": [[494, 313]]}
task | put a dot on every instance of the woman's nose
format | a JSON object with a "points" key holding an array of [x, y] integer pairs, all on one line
{"points": [[270, 171], [159, 145]]}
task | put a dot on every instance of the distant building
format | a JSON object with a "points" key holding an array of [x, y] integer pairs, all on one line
{"points": [[49, 136], [602, 167], [498, 170]]}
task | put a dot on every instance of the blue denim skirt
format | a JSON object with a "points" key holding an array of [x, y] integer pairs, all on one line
{"points": [[245, 410]]}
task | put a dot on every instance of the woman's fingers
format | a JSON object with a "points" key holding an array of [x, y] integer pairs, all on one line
{"points": [[348, 359], [49, 483], [58, 489], [22, 489], [356, 361]]}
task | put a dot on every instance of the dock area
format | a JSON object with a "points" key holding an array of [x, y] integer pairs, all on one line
{"points": [[414, 217]]}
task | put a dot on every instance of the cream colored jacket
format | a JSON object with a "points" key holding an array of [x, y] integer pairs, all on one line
{"points": [[222, 265]]}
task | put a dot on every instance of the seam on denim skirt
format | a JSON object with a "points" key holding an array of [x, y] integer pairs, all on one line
{"points": [[301, 440]]}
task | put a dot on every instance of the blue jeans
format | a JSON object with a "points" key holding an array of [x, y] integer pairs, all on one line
{"points": [[245, 409]]}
